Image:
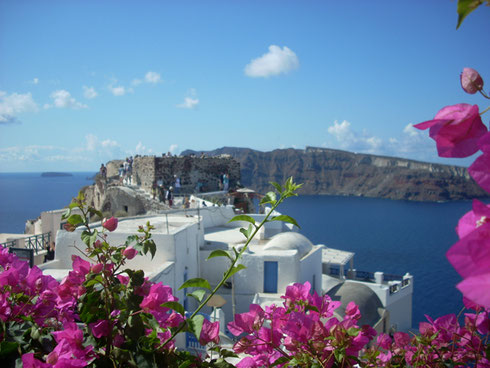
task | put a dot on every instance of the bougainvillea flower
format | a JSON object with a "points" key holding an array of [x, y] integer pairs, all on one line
{"points": [[209, 332], [129, 252], [480, 171], [476, 288], [471, 81], [470, 256], [110, 224], [28, 361], [456, 130], [100, 328], [473, 219], [247, 322]]}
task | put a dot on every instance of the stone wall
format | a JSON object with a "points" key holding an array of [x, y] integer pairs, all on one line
{"points": [[207, 170]]}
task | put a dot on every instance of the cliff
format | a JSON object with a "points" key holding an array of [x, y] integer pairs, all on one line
{"points": [[335, 172]]}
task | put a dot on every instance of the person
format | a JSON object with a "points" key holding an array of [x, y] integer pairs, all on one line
{"points": [[154, 188], [169, 196], [121, 173], [226, 182], [221, 181], [177, 184], [187, 203], [49, 256]]}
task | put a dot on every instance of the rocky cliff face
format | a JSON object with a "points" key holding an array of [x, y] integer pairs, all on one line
{"points": [[335, 172]]}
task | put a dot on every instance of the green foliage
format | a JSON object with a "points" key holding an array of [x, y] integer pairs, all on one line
{"points": [[285, 218], [219, 253], [196, 282], [465, 7]]}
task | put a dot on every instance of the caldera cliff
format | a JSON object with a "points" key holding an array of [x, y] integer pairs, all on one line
{"points": [[335, 172]]}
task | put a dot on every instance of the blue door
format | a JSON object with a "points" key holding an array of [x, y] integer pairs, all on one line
{"points": [[270, 277]]}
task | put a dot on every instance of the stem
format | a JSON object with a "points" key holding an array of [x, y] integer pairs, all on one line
{"points": [[484, 94], [484, 111], [227, 274]]}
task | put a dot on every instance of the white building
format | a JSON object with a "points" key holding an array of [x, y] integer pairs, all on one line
{"points": [[277, 258]]}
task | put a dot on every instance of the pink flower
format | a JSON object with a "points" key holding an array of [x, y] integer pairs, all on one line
{"points": [[476, 288], [28, 361], [471, 81], [130, 252], [110, 224], [247, 322], [209, 333], [100, 328], [470, 256], [473, 219], [456, 130], [96, 268], [480, 171]]}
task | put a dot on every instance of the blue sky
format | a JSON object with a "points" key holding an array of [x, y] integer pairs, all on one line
{"points": [[83, 82]]}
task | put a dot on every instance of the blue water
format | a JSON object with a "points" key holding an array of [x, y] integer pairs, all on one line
{"points": [[24, 196], [390, 236]]}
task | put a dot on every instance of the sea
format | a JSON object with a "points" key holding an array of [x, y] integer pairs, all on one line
{"points": [[395, 237]]}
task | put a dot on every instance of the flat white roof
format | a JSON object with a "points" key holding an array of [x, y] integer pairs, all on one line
{"points": [[336, 256]]}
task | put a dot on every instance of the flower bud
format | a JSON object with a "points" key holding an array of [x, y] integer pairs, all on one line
{"points": [[110, 224], [471, 81], [129, 252], [69, 227]]}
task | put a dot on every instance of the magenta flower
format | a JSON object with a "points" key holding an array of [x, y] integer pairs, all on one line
{"points": [[96, 268], [247, 322], [480, 171], [473, 219], [110, 224], [28, 361], [471, 81], [130, 252], [209, 333], [476, 288], [456, 130], [101, 328]]}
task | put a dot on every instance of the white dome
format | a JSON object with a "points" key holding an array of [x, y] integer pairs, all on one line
{"points": [[290, 241]]}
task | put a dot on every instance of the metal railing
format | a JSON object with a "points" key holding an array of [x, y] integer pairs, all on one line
{"points": [[390, 277], [38, 242], [9, 244], [365, 275]]}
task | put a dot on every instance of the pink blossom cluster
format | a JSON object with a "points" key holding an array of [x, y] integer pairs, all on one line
{"points": [[459, 132], [440, 341], [303, 331]]}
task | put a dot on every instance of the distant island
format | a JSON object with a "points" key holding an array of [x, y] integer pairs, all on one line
{"points": [[54, 174]]}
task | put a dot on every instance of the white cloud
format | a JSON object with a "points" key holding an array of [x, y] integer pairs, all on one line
{"points": [[275, 62], [13, 104], [136, 82], [89, 92], [62, 99], [142, 149], [410, 130], [348, 139], [173, 148], [35, 81], [118, 91], [152, 77], [189, 103], [108, 143]]}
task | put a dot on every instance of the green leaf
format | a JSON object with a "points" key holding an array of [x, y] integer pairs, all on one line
{"points": [[150, 246], [131, 239], [75, 220], [235, 269], [6, 347], [270, 197], [353, 331], [277, 186], [175, 306], [243, 218], [96, 280], [195, 325], [465, 7], [197, 282], [312, 308], [93, 211], [186, 364], [88, 237], [285, 218], [219, 253], [198, 295], [66, 214], [247, 232]]}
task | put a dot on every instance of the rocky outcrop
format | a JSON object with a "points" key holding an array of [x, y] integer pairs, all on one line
{"points": [[335, 172]]}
